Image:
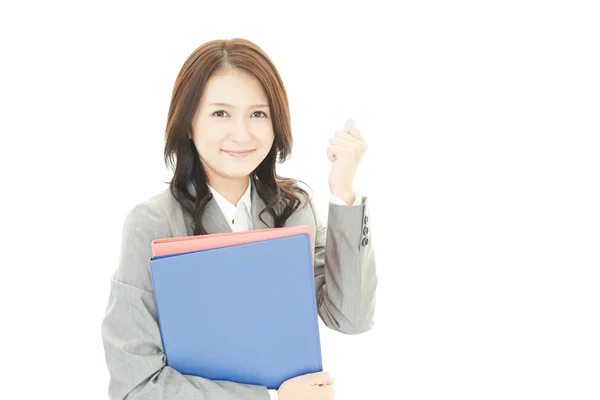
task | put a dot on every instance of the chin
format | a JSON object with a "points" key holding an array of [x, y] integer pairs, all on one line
{"points": [[237, 174]]}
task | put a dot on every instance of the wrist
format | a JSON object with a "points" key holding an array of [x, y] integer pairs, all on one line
{"points": [[346, 195]]}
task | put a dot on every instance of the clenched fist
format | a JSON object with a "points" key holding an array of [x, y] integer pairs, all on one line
{"points": [[345, 151]]}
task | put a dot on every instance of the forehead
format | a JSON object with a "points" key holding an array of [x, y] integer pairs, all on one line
{"points": [[233, 87]]}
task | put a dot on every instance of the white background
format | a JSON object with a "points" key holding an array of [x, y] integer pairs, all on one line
{"points": [[482, 173]]}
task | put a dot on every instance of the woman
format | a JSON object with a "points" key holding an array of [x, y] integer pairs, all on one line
{"points": [[228, 121]]}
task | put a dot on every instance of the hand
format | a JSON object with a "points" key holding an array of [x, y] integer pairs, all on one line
{"points": [[314, 386], [345, 151]]}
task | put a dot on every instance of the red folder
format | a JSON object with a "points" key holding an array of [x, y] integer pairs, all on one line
{"points": [[184, 244]]}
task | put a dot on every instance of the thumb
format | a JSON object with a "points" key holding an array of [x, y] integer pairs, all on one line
{"points": [[319, 378]]}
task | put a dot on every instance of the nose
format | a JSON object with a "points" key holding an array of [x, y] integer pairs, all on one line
{"points": [[241, 131]]}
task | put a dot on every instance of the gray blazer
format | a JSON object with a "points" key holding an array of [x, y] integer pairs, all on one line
{"points": [[345, 283]]}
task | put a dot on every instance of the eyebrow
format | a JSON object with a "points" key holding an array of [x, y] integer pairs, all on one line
{"points": [[229, 105]]}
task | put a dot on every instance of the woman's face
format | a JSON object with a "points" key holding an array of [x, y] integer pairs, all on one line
{"points": [[241, 122]]}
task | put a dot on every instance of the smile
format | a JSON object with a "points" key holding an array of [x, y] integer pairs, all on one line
{"points": [[237, 154]]}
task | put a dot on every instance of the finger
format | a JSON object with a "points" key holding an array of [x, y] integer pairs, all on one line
{"points": [[334, 151], [346, 136], [352, 140], [329, 382], [349, 124], [327, 391], [351, 129], [319, 378], [341, 142]]}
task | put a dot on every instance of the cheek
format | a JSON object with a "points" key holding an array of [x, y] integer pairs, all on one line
{"points": [[266, 137], [208, 139], [208, 149]]}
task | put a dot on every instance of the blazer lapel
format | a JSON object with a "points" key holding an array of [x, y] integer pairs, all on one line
{"points": [[213, 219]]}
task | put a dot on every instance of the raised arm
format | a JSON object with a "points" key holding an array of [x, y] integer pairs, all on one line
{"points": [[345, 272]]}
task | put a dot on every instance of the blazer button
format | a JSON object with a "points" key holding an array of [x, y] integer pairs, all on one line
{"points": [[365, 230], [365, 241], [366, 219]]}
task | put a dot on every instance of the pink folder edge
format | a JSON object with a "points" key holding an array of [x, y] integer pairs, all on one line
{"points": [[184, 244]]}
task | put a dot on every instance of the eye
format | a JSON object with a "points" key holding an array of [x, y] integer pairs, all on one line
{"points": [[220, 111], [259, 112]]}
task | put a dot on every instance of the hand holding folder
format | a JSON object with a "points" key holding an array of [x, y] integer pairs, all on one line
{"points": [[238, 306]]}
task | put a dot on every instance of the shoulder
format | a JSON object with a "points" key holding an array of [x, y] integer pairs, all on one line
{"points": [[149, 216], [144, 222], [158, 215]]}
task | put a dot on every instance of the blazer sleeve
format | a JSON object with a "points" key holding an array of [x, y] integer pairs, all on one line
{"points": [[345, 272], [131, 334]]}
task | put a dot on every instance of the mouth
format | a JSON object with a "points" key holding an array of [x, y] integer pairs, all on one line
{"points": [[238, 153]]}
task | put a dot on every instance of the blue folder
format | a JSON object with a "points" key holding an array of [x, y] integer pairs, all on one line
{"points": [[245, 313]]}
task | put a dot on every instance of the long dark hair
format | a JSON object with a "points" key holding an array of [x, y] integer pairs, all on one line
{"points": [[181, 156]]}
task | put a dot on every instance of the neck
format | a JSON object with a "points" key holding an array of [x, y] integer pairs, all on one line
{"points": [[231, 189]]}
